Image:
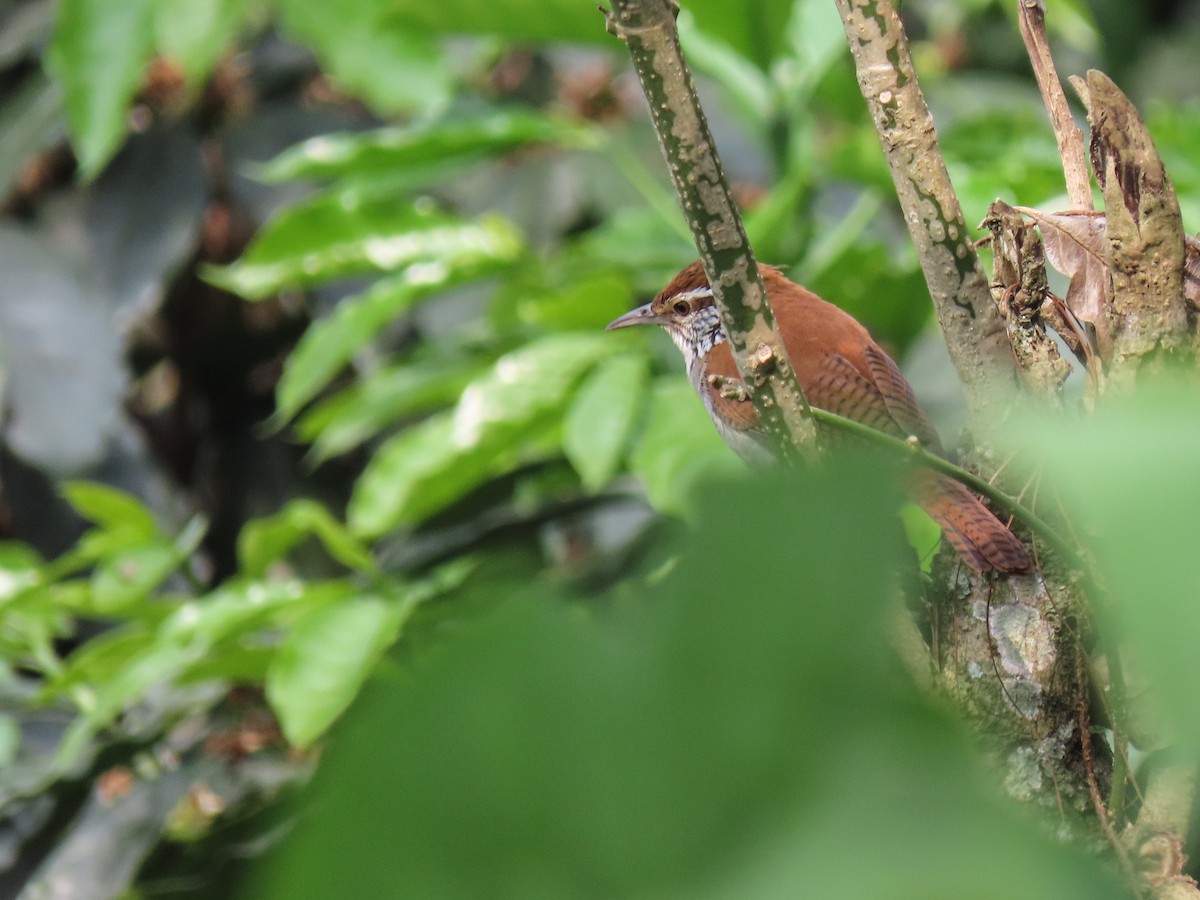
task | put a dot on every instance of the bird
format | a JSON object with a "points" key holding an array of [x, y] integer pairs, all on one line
{"points": [[842, 370]]}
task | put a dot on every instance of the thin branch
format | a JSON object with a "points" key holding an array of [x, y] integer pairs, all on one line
{"points": [[972, 326], [1071, 151], [981, 486], [648, 29]]}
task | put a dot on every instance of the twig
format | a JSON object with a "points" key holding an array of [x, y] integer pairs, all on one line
{"points": [[968, 316], [648, 29], [923, 457], [1032, 20]]}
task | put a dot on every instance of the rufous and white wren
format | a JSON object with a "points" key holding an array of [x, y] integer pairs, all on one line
{"points": [[842, 370]]}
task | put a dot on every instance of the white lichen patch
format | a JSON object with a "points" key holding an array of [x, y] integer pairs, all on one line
{"points": [[1024, 777], [1024, 640]]}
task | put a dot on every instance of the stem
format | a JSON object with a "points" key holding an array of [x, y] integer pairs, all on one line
{"points": [[968, 316], [648, 29], [1032, 19], [979, 485]]}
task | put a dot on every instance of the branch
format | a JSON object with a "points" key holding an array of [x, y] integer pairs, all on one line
{"points": [[972, 326], [648, 29], [1032, 20], [1002, 501], [1146, 249]]}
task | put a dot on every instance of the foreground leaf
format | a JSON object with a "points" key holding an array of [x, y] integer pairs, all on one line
{"points": [[611, 755], [1128, 477]]}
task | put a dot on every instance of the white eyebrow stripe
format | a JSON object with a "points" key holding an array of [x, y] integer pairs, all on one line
{"points": [[696, 294]]}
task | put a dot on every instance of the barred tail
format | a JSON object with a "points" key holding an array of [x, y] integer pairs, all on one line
{"points": [[979, 537]]}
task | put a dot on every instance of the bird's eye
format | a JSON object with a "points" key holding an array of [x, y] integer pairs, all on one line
{"points": [[681, 307]]}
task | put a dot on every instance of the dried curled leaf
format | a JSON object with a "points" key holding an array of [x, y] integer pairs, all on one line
{"points": [[1074, 242]]}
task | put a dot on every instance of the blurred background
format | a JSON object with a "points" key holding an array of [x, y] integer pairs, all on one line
{"points": [[303, 371]]}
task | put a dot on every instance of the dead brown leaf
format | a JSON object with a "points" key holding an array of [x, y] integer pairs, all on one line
{"points": [[1074, 241]]}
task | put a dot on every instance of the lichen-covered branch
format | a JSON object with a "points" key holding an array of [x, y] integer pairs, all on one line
{"points": [[1145, 237], [972, 326], [648, 29]]}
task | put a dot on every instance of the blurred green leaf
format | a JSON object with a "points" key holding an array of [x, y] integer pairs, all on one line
{"points": [[678, 446], [99, 659], [601, 416], [110, 508], [324, 661], [609, 755], [338, 234], [98, 53], [523, 20], [749, 87], [381, 399], [587, 300], [330, 343], [757, 31], [20, 570], [885, 291], [426, 467], [195, 34], [128, 577], [183, 640], [1128, 476], [394, 69], [266, 541], [387, 150]]}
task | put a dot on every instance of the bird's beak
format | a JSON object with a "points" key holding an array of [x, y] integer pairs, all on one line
{"points": [[640, 316]]}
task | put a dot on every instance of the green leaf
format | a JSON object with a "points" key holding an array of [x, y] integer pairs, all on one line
{"points": [[381, 399], [100, 658], [98, 53], [195, 34], [426, 467], [678, 446], [585, 301], [125, 579], [388, 150], [1128, 479], [182, 641], [395, 70], [528, 21], [110, 508], [329, 344], [758, 31], [602, 415], [265, 541], [341, 233], [324, 661], [609, 754]]}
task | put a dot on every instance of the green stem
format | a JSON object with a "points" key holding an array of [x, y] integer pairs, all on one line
{"points": [[931, 461], [648, 29]]}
